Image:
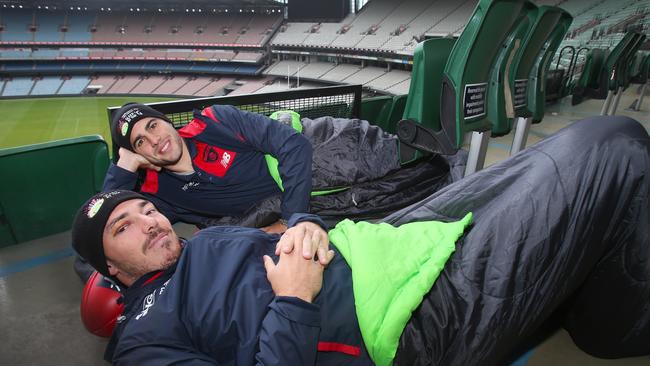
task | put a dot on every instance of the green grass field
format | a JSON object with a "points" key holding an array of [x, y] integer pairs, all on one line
{"points": [[36, 120]]}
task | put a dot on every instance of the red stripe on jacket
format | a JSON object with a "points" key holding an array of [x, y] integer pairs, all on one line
{"points": [[339, 347], [150, 184]]}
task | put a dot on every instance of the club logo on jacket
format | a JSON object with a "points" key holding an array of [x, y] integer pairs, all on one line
{"points": [[212, 159]]}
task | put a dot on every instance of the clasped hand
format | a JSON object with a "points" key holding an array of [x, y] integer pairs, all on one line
{"points": [[298, 273]]}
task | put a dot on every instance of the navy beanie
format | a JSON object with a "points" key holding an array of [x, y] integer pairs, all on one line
{"points": [[89, 222], [126, 117]]}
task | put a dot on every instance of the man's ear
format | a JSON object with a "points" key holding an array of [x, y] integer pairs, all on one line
{"points": [[111, 268]]}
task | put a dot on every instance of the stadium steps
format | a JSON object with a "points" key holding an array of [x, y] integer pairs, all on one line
{"points": [[2, 87], [59, 87], [32, 87]]}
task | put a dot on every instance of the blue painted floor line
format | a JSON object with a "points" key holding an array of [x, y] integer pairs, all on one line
{"points": [[35, 262]]}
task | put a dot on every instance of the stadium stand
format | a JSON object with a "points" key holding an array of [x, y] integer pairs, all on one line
{"points": [[20, 85], [74, 85], [47, 85], [77, 27]]}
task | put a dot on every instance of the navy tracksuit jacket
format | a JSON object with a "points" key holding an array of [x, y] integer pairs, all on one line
{"points": [[215, 306], [227, 146]]}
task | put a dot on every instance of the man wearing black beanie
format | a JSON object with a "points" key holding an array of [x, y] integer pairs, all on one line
{"points": [[562, 226]]}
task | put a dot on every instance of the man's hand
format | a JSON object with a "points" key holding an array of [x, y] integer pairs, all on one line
{"points": [[294, 275], [275, 228], [309, 239], [132, 161]]}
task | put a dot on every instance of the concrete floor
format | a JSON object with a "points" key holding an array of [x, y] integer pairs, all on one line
{"points": [[40, 293]]}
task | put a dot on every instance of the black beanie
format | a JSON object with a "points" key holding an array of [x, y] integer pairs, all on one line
{"points": [[89, 223], [126, 117]]}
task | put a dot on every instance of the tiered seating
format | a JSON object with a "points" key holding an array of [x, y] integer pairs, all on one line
{"points": [[292, 34], [16, 25], [365, 75], [259, 29], [78, 26], [170, 84], [250, 86], [79, 53], [47, 24], [45, 54], [285, 68], [20, 85], [74, 85], [47, 85], [124, 84], [389, 79], [341, 72], [215, 87], [315, 70], [193, 85], [9, 54], [148, 84], [382, 25], [455, 21], [105, 81]]}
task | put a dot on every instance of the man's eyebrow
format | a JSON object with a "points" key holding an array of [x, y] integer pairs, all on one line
{"points": [[111, 223], [149, 122]]}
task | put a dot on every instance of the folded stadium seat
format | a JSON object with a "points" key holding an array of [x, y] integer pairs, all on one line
{"points": [[620, 78], [590, 75], [461, 85], [501, 106], [510, 95], [606, 85], [374, 110], [642, 78]]}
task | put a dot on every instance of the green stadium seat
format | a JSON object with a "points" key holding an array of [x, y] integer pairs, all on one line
{"points": [[642, 78], [538, 74], [617, 68], [464, 81], [45, 185], [375, 110], [529, 76], [500, 111], [590, 77], [384, 111]]}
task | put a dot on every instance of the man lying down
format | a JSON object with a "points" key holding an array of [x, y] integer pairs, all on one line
{"points": [[564, 223]]}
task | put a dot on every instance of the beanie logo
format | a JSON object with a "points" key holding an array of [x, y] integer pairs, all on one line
{"points": [[126, 119], [125, 128], [94, 207]]}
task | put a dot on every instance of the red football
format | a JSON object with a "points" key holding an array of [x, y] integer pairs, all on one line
{"points": [[101, 305]]}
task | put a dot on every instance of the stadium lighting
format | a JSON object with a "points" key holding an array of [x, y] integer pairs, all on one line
{"points": [[199, 10], [46, 7], [102, 9], [12, 6], [85, 8], [78, 7], [137, 9], [20, 6], [159, 10], [39, 6]]}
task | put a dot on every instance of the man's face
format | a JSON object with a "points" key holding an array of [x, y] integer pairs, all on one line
{"points": [[138, 239], [157, 140]]}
